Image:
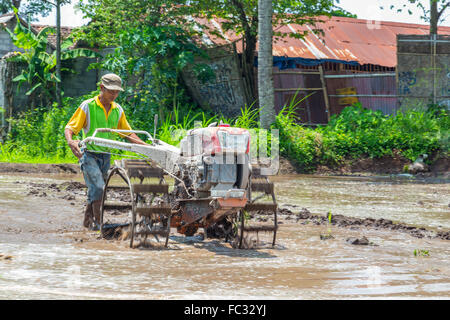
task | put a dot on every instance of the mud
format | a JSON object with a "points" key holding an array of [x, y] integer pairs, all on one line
{"points": [[72, 191], [304, 216], [395, 164], [365, 166], [69, 190], [45, 253], [40, 168]]}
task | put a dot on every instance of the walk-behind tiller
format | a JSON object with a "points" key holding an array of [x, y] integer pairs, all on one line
{"points": [[215, 186]]}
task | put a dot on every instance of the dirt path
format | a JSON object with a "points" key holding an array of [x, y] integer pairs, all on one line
{"points": [[73, 193], [39, 168]]}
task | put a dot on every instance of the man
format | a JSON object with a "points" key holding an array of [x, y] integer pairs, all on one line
{"points": [[98, 112]]}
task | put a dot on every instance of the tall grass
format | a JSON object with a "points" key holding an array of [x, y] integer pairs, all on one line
{"points": [[358, 132], [38, 136]]}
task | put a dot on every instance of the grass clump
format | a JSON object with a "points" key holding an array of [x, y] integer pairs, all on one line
{"points": [[359, 132], [37, 136]]}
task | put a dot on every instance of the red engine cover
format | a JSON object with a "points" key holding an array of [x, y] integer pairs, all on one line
{"points": [[219, 140]]}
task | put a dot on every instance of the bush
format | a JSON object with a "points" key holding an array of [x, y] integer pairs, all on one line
{"points": [[38, 135], [359, 132]]}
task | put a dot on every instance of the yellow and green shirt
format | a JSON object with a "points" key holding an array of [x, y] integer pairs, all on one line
{"points": [[91, 115]]}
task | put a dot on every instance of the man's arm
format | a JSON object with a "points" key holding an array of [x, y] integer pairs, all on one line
{"points": [[73, 144], [133, 138]]}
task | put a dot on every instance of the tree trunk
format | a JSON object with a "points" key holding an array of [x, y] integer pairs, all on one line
{"points": [[248, 62], [265, 64], [433, 16], [16, 3], [58, 52]]}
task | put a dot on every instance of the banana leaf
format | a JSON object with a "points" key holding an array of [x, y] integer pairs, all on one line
{"points": [[79, 53], [32, 89], [20, 77]]}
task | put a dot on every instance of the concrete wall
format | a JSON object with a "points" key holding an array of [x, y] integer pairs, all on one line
{"points": [[225, 94], [82, 81], [423, 68], [74, 84], [6, 44], [19, 100]]}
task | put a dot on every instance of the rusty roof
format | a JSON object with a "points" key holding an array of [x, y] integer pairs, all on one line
{"points": [[36, 28], [346, 39], [65, 32]]}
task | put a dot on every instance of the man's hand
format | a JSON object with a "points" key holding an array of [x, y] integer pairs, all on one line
{"points": [[73, 144]]}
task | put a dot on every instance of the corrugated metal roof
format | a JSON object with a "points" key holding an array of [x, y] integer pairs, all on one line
{"points": [[4, 18], [65, 31], [348, 39]]}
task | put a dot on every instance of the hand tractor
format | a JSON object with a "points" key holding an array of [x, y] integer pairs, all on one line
{"points": [[214, 184]]}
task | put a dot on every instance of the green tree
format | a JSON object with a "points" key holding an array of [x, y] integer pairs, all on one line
{"points": [[40, 74], [434, 13], [108, 18], [151, 59], [57, 5], [153, 43], [30, 9]]}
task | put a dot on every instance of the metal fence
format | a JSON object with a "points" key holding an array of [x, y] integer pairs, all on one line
{"points": [[375, 91], [332, 91], [292, 86]]}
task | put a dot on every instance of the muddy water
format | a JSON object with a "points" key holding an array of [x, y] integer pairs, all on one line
{"points": [[415, 201], [45, 254]]}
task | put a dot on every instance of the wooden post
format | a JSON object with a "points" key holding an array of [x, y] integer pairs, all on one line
{"points": [[325, 93]]}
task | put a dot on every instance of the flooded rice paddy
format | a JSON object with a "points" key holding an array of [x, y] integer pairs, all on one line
{"points": [[46, 254]]}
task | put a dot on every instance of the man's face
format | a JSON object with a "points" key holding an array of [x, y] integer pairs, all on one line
{"points": [[110, 95]]}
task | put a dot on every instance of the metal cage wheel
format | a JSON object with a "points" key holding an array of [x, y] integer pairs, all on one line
{"points": [[104, 206]]}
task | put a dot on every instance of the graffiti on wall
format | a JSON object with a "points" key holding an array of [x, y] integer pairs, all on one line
{"points": [[225, 93], [220, 92], [406, 80], [446, 86]]}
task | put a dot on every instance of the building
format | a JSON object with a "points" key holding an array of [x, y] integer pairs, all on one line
{"points": [[353, 60], [78, 82]]}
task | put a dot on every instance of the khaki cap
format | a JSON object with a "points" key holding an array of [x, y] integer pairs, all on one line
{"points": [[112, 81]]}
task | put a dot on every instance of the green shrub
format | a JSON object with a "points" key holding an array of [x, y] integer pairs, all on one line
{"points": [[38, 135], [359, 132], [297, 142]]}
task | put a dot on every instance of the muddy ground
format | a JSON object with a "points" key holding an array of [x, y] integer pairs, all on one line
{"points": [[75, 193], [439, 165], [395, 164]]}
